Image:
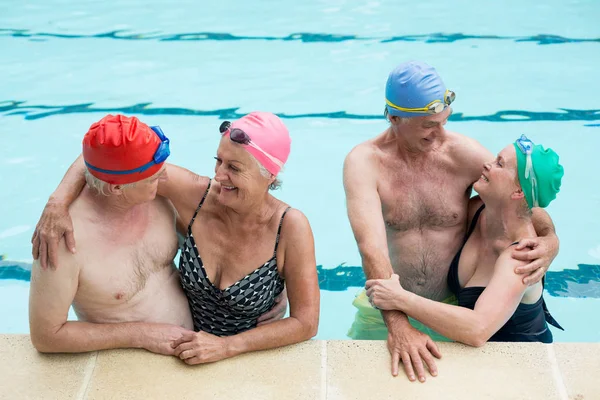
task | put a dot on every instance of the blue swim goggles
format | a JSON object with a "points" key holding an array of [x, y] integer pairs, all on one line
{"points": [[160, 155], [526, 146]]}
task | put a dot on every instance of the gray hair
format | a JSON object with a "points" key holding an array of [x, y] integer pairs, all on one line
{"points": [[99, 185], [276, 184], [387, 117]]}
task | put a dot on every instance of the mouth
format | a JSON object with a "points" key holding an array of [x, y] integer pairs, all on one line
{"points": [[484, 178], [228, 188]]}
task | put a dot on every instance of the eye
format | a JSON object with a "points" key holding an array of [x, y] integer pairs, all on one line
{"points": [[218, 160], [498, 163], [234, 168]]}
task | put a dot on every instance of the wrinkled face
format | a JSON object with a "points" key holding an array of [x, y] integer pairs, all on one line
{"points": [[499, 177], [238, 173], [421, 133], [145, 190]]}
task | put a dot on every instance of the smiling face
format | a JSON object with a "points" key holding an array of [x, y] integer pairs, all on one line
{"points": [[238, 173], [499, 178], [422, 133]]}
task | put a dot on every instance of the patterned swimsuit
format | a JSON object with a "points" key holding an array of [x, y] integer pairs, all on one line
{"points": [[236, 308]]}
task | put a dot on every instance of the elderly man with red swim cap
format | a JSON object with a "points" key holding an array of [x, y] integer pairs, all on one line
{"points": [[242, 247], [407, 193], [121, 282]]}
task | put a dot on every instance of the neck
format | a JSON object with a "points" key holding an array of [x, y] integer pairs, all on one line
{"points": [[111, 207], [503, 226], [253, 211]]}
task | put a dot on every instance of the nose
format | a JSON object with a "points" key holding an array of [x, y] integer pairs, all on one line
{"points": [[220, 174], [487, 166]]}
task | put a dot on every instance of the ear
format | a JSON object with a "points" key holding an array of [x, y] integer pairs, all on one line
{"points": [[517, 194], [115, 189]]}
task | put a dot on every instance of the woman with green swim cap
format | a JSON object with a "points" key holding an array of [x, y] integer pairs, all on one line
{"points": [[493, 302]]}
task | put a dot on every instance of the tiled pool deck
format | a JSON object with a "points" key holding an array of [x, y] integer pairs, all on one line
{"points": [[311, 370]]}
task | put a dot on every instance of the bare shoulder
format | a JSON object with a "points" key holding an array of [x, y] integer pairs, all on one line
{"points": [[362, 154], [467, 148], [295, 223]]}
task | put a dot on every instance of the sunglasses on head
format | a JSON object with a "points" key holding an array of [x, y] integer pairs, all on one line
{"points": [[240, 137]]}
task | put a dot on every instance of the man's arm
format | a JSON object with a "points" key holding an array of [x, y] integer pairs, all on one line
{"points": [[539, 252], [53, 224], [50, 296], [366, 219]]}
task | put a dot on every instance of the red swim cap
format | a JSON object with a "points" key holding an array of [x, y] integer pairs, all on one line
{"points": [[116, 145]]}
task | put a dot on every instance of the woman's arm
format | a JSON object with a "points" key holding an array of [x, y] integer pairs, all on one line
{"points": [[55, 220], [185, 190], [494, 307], [304, 297]]}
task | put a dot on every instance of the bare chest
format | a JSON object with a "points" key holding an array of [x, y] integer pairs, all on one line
{"points": [[117, 267], [423, 199]]}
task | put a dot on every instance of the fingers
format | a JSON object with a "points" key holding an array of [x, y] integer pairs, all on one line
{"points": [[428, 359], [369, 283], [35, 245], [527, 255], [185, 337], [369, 292], [52, 254], [529, 268], [527, 242], [184, 355], [43, 255], [408, 368], [535, 277], [395, 362], [182, 347], [193, 360], [418, 364], [433, 349], [70, 241]]}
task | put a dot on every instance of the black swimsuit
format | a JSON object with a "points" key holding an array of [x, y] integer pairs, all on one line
{"points": [[527, 324], [236, 308]]}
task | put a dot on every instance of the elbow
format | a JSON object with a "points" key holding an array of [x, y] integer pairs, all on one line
{"points": [[42, 343], [477, 337], [311, 329]]}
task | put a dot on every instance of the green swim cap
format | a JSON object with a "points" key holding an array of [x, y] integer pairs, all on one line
{"points": [[540, 176]]}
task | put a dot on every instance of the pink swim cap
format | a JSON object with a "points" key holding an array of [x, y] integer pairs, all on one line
{"points": [[270, 139]]}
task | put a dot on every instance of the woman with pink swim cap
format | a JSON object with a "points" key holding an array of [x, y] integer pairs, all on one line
{"points": [[243, 247]]}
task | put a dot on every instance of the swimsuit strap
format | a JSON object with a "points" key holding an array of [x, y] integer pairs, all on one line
{"points": [[279, 231], [199, 205], [474, 221]]}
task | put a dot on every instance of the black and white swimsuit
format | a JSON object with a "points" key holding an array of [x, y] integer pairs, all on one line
{"points": [[236, 308]]}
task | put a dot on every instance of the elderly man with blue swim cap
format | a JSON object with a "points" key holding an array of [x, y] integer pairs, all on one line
{"points": [[407, 193]]}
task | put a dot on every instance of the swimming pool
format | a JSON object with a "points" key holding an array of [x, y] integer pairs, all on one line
{"points": [[322, 66]]}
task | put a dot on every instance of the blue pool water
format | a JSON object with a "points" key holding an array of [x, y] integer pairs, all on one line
{"points": [[517, 67]]}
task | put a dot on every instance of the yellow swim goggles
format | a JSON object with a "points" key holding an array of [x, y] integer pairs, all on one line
{"points": [[435, 107]]}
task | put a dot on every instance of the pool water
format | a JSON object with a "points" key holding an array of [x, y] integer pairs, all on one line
{"points": [[516, 67]]}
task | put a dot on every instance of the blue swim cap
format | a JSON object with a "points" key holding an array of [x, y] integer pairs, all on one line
{"points": [[414, 85]]}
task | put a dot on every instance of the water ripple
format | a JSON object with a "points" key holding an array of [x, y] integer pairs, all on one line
{"points": [[304, 37], [38, 111]]}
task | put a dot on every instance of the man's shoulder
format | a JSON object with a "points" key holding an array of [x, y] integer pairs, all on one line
{"points": [[365, 152], [466, 149]]}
